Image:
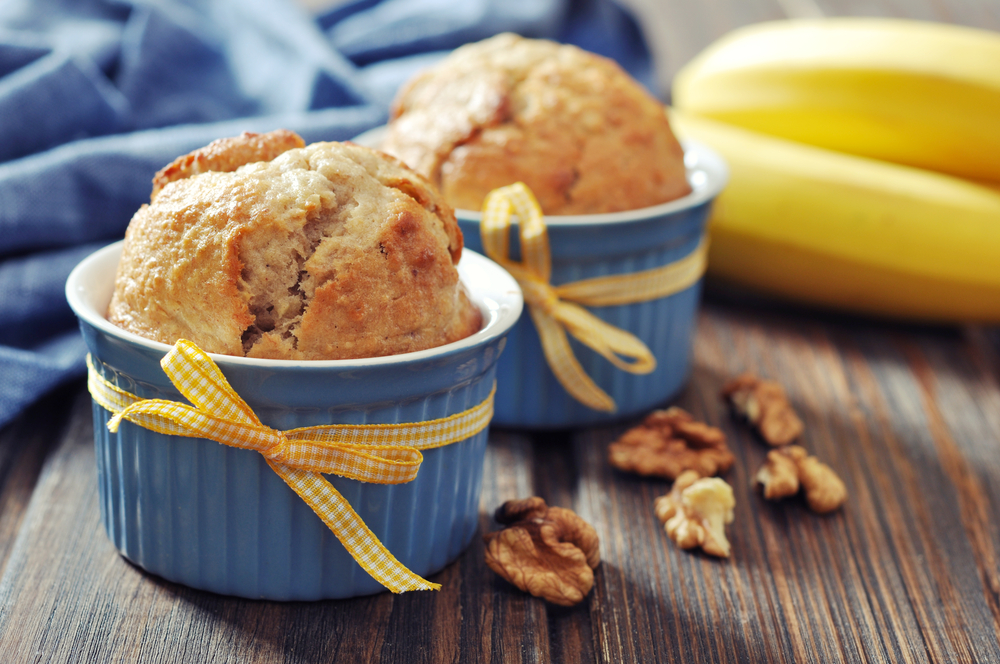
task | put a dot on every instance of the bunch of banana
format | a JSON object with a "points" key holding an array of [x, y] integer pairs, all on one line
{"points": [[855, 147]]}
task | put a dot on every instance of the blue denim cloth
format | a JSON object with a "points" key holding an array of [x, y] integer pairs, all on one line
{"points": [[97, 95]]}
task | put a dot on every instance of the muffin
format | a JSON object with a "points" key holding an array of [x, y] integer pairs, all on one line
{"points": [[573, 126], [218, 518], [259, 246]]}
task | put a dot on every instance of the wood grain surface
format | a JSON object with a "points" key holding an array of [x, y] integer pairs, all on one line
{"points": [[906, 572]]}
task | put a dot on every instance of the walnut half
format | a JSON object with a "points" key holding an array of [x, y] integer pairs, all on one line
{"points": [[667, 443], [788, 468], [764, 404], [696, 511], [549, 552]]}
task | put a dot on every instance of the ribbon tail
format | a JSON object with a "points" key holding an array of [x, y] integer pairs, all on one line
{"points": [[609, 341], [352, 532], [566, 367]]}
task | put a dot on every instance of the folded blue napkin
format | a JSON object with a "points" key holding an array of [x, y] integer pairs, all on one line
{"points": [[97, 95]]}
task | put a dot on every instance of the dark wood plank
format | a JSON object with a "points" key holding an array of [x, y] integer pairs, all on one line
{"points": [[24, 445], [555, 480], [905, 573]]}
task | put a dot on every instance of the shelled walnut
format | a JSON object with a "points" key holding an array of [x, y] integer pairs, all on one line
{"points": [[549, 552], [696, 511], [669, 442], [764, 404], [789, 468]]}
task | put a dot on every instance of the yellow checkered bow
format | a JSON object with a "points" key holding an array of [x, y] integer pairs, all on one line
{"points": [[552, 308], [378, 453]]}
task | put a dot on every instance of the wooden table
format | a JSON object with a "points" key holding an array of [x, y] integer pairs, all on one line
{"points": [[908, 571]]}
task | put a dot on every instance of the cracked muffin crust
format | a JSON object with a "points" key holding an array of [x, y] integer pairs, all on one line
{"points": [[330, 251], [573, 126], [226, 155]]}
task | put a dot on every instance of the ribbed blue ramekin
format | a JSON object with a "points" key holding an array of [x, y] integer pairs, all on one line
{"points": [[218, 518], [586, 246]]}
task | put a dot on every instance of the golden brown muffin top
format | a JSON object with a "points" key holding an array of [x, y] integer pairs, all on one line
{"points": [[573, 126], [330, 251]]}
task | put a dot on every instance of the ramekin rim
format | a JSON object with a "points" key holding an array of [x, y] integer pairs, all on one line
{"points": [[499, 317]]}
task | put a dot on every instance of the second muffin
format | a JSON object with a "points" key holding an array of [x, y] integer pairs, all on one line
{"points": [[254, 246], [573, 126]]}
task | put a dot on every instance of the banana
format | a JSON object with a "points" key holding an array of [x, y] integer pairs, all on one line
{"points": [[908, 92], [850, 232]]}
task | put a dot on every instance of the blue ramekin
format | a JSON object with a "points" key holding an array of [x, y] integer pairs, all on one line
{"points": [[586, 246], [218, 518]]}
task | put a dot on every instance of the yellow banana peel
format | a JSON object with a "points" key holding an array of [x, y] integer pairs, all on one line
{"points": [[850, 232], [908, 92]]}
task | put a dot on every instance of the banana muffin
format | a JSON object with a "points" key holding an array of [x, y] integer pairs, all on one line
{"points": [[261, 247], [572, 125]]}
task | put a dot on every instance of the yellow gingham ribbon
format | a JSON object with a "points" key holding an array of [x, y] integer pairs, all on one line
{"points": [[552, 308], [378, 453]]}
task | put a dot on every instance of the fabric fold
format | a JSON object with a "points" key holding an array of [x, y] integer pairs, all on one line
{"points": [[97, 95], [89, 105]]}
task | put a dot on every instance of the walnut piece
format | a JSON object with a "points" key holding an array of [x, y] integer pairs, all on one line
{"points": [[696, 511], [549, 552], [789, 467], [779, 475], [667, 443], [764, 404]]}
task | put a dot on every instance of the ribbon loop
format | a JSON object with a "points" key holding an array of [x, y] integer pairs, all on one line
{"points": [[565, 366], [556, 310], [198, 378], [377, 453]]}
